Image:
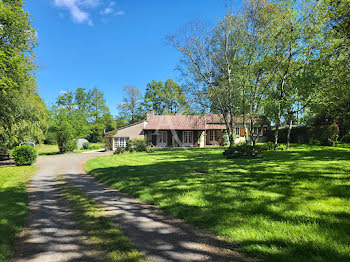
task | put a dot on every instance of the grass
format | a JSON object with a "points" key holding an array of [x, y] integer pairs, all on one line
{"points": [[53, 149], [101, 232], [13, 205], [282, 206]]}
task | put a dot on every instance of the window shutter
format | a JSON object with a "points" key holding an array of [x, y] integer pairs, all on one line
{"points": [[242, 131]]}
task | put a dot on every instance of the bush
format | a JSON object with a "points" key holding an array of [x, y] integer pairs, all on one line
{"points": [[94, 147], [149, 150], [268, 146], [282, 147], [86, 145], [224, 139], [243, 150], [119, 150], [67, 146], [346, 138], [136, 145], [24, 155]]}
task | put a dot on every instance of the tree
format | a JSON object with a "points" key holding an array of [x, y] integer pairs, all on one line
{"points": [[68, 125], [225, 64], [165, 98], [23, 113], [96, 110], [174, 99], [207, 64], [298, 44], [91, 105], [131, 107], [17, 40], [153, 99], [334, 103]]}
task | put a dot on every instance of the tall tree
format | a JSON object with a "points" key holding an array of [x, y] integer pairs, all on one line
{"points": [[167, 98], [131, 107], [153, 99], [68, 125], [297, 31], [22, 113]]}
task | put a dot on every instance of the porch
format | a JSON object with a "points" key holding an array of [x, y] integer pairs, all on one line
{"points": [[175, 138]]}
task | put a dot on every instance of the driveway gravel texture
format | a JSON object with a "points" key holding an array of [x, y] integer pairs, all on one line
{"points": [[51, 234]]}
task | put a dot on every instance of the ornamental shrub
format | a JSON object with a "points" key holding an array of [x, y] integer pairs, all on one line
{"points": [[243, 150], [24, 155], [119, 150], [86, 145], [149, 150], [136, 145], [67, 146]]}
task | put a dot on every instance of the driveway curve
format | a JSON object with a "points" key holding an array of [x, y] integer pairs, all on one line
{"points": [[51, 234]]}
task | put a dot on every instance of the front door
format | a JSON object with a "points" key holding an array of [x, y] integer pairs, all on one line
{"points": [[162, 139], [187, 138]]}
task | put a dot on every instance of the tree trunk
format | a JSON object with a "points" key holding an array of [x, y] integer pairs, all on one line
{"points": [[289, 130], [229, 132], [278, 123]]}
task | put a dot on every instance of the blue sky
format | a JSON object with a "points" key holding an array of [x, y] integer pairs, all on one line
{"points": [[110, 43]]}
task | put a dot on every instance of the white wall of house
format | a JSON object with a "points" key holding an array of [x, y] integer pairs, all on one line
{"points": [[131, 132]]}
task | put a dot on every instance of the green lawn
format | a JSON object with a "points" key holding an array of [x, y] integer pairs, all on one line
{"points": [[53, 149], [283, 206], [13, 205], [109, 242]]}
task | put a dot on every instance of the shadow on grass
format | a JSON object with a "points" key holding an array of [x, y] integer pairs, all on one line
{"points": [[279, 207], [13, 209]]}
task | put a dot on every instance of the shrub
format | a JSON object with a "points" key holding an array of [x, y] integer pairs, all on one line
{"points": [[268, 146], [67, 146], [119, 150], [136, 145], [346, 138], [86, 145], [149, 150], [282, 147], [24, 155], [224, 139], [94, 147], [242, 150]]}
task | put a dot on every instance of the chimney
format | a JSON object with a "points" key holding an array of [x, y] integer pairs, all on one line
{"points": [[150, 115]]}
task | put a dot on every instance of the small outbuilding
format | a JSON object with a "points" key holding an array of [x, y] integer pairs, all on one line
{"points": [[81, 142]]}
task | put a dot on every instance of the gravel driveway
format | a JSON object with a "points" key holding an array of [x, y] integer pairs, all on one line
{"points": [[52, 236]]}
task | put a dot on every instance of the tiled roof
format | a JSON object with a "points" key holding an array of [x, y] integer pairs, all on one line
{"points": [[192, 122], [179, 122]]}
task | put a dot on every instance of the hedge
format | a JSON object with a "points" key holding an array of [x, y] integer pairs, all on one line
{"points": [[320, 135]]}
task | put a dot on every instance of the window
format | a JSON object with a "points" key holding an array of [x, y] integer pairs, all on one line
{"points": [[163, 138], [257, 131], [120, 142], [188, 137], [216, 135], [238, 131], [211, 135]]}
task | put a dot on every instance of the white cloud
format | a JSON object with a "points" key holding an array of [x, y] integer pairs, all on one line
{"points": [[120, 13], [107, 11], [62, 92], [80, 9]]}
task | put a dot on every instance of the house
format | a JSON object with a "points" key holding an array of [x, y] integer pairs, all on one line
{"points": [[182, 131]]}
